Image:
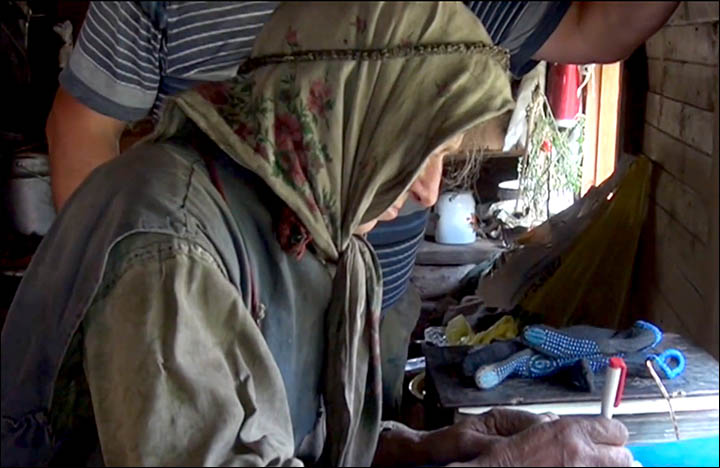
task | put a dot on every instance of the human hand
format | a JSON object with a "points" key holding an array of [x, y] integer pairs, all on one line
{"points": [[570, 441], [463, 441], [475, 437]]}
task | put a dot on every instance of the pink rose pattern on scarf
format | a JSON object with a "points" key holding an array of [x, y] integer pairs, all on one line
{"points": [[282, 129]]}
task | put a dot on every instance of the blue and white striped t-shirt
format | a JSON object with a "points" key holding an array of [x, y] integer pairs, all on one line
{"points": [[131, 55]]}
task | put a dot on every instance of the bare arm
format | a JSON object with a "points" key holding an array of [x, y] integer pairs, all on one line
{"points": [[79, 140], [604, 32]]}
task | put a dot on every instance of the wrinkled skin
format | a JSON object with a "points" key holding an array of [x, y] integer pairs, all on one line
{"points": [[505, 437]]}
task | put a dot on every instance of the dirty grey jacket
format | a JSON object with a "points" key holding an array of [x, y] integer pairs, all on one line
{"points": [[159, 214]]}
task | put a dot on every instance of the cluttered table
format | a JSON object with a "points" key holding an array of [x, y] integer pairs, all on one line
{"points": [[567, 271], [693, 395]]}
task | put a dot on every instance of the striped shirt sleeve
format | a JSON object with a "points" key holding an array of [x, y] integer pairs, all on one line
{"points": [[115, 66], [520, 27]]}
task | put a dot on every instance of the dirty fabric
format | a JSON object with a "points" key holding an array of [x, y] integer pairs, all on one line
{"points": [[323, 136], [395, 331], [194, 397], [550, 351], [321, 130]]}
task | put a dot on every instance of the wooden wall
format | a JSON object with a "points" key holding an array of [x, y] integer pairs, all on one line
{"points": [[676, 282]]}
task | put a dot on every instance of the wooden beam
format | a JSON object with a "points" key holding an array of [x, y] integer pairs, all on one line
{"points": [[607, 140], [714, 270], [433, 253], [592, 107]]}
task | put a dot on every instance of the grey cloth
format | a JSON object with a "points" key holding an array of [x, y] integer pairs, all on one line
{"points": [[395, 331], [207, 242]]}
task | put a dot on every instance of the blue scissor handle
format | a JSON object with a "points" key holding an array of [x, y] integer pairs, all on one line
{"points": [[666, 359]]}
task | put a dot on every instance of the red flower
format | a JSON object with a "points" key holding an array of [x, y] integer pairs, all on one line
{"points": [[288, 133], [243, 131], [289, 141], [215, 93], [291, 166], [546, 146], [291, 37], [319, 95]]}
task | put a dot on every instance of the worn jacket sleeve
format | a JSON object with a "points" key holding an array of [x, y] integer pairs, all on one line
{"points": [[178, 371]]}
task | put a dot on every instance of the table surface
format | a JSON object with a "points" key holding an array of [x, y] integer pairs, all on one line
{"points": [[452, 391]]}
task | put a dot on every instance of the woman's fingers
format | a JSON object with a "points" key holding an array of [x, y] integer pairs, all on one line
{"points": [[573, 441], [508, 422], [609, 455], [604, 431]]}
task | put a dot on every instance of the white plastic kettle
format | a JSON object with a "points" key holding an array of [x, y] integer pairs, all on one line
{"points": [[456, 212]]}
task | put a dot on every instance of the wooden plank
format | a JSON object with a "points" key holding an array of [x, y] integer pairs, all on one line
{"points": [[607, 145], [678, 246], [703, 11], [691, 83], [655, 45], [682, 203], [713, 276], [657, 310], [647, 300], [694, 12], [436, 281], [692, 43], [628, 407], [697, 128], [687, 123], [685, 163], [655, 75], [680, 16], [665, 276], [670, 116], [658, 428], [592, 109], [433, 253], [653, 108]]}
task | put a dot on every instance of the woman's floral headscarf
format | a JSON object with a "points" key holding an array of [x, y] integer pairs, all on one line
{"points": [[339, 108]]}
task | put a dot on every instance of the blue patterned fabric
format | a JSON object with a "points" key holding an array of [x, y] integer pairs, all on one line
{"points": [[531, 364], [550, 350], [582, 340]]}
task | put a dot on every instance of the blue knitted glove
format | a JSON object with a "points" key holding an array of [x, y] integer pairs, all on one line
{"points": [[580, 341], [552, 350], [531, 364]]}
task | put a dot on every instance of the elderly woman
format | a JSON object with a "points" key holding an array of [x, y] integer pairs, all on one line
{"points": [[222, 307]]}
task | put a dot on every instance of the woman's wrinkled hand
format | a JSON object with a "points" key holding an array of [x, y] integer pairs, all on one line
{"points": [[515, 438], [476, 435]]}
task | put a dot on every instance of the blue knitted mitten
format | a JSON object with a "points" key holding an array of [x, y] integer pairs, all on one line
{"points": [[530, 364], [552, 350], [582, 341]]}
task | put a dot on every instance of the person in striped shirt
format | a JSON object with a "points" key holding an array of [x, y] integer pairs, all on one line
{"points": [[131, 56]]}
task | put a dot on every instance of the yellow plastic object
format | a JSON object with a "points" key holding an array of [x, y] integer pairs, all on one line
{"points": [[593, 276], [458, 331], [504, 329]]}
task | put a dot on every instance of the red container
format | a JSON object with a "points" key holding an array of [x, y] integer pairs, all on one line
{"points": [[563, 82]]}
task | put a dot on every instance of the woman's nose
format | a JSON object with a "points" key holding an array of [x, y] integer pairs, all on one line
{"points": [[426, 188]]}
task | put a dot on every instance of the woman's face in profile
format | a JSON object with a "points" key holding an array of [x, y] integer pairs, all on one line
{"points": [[426, 187]]}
